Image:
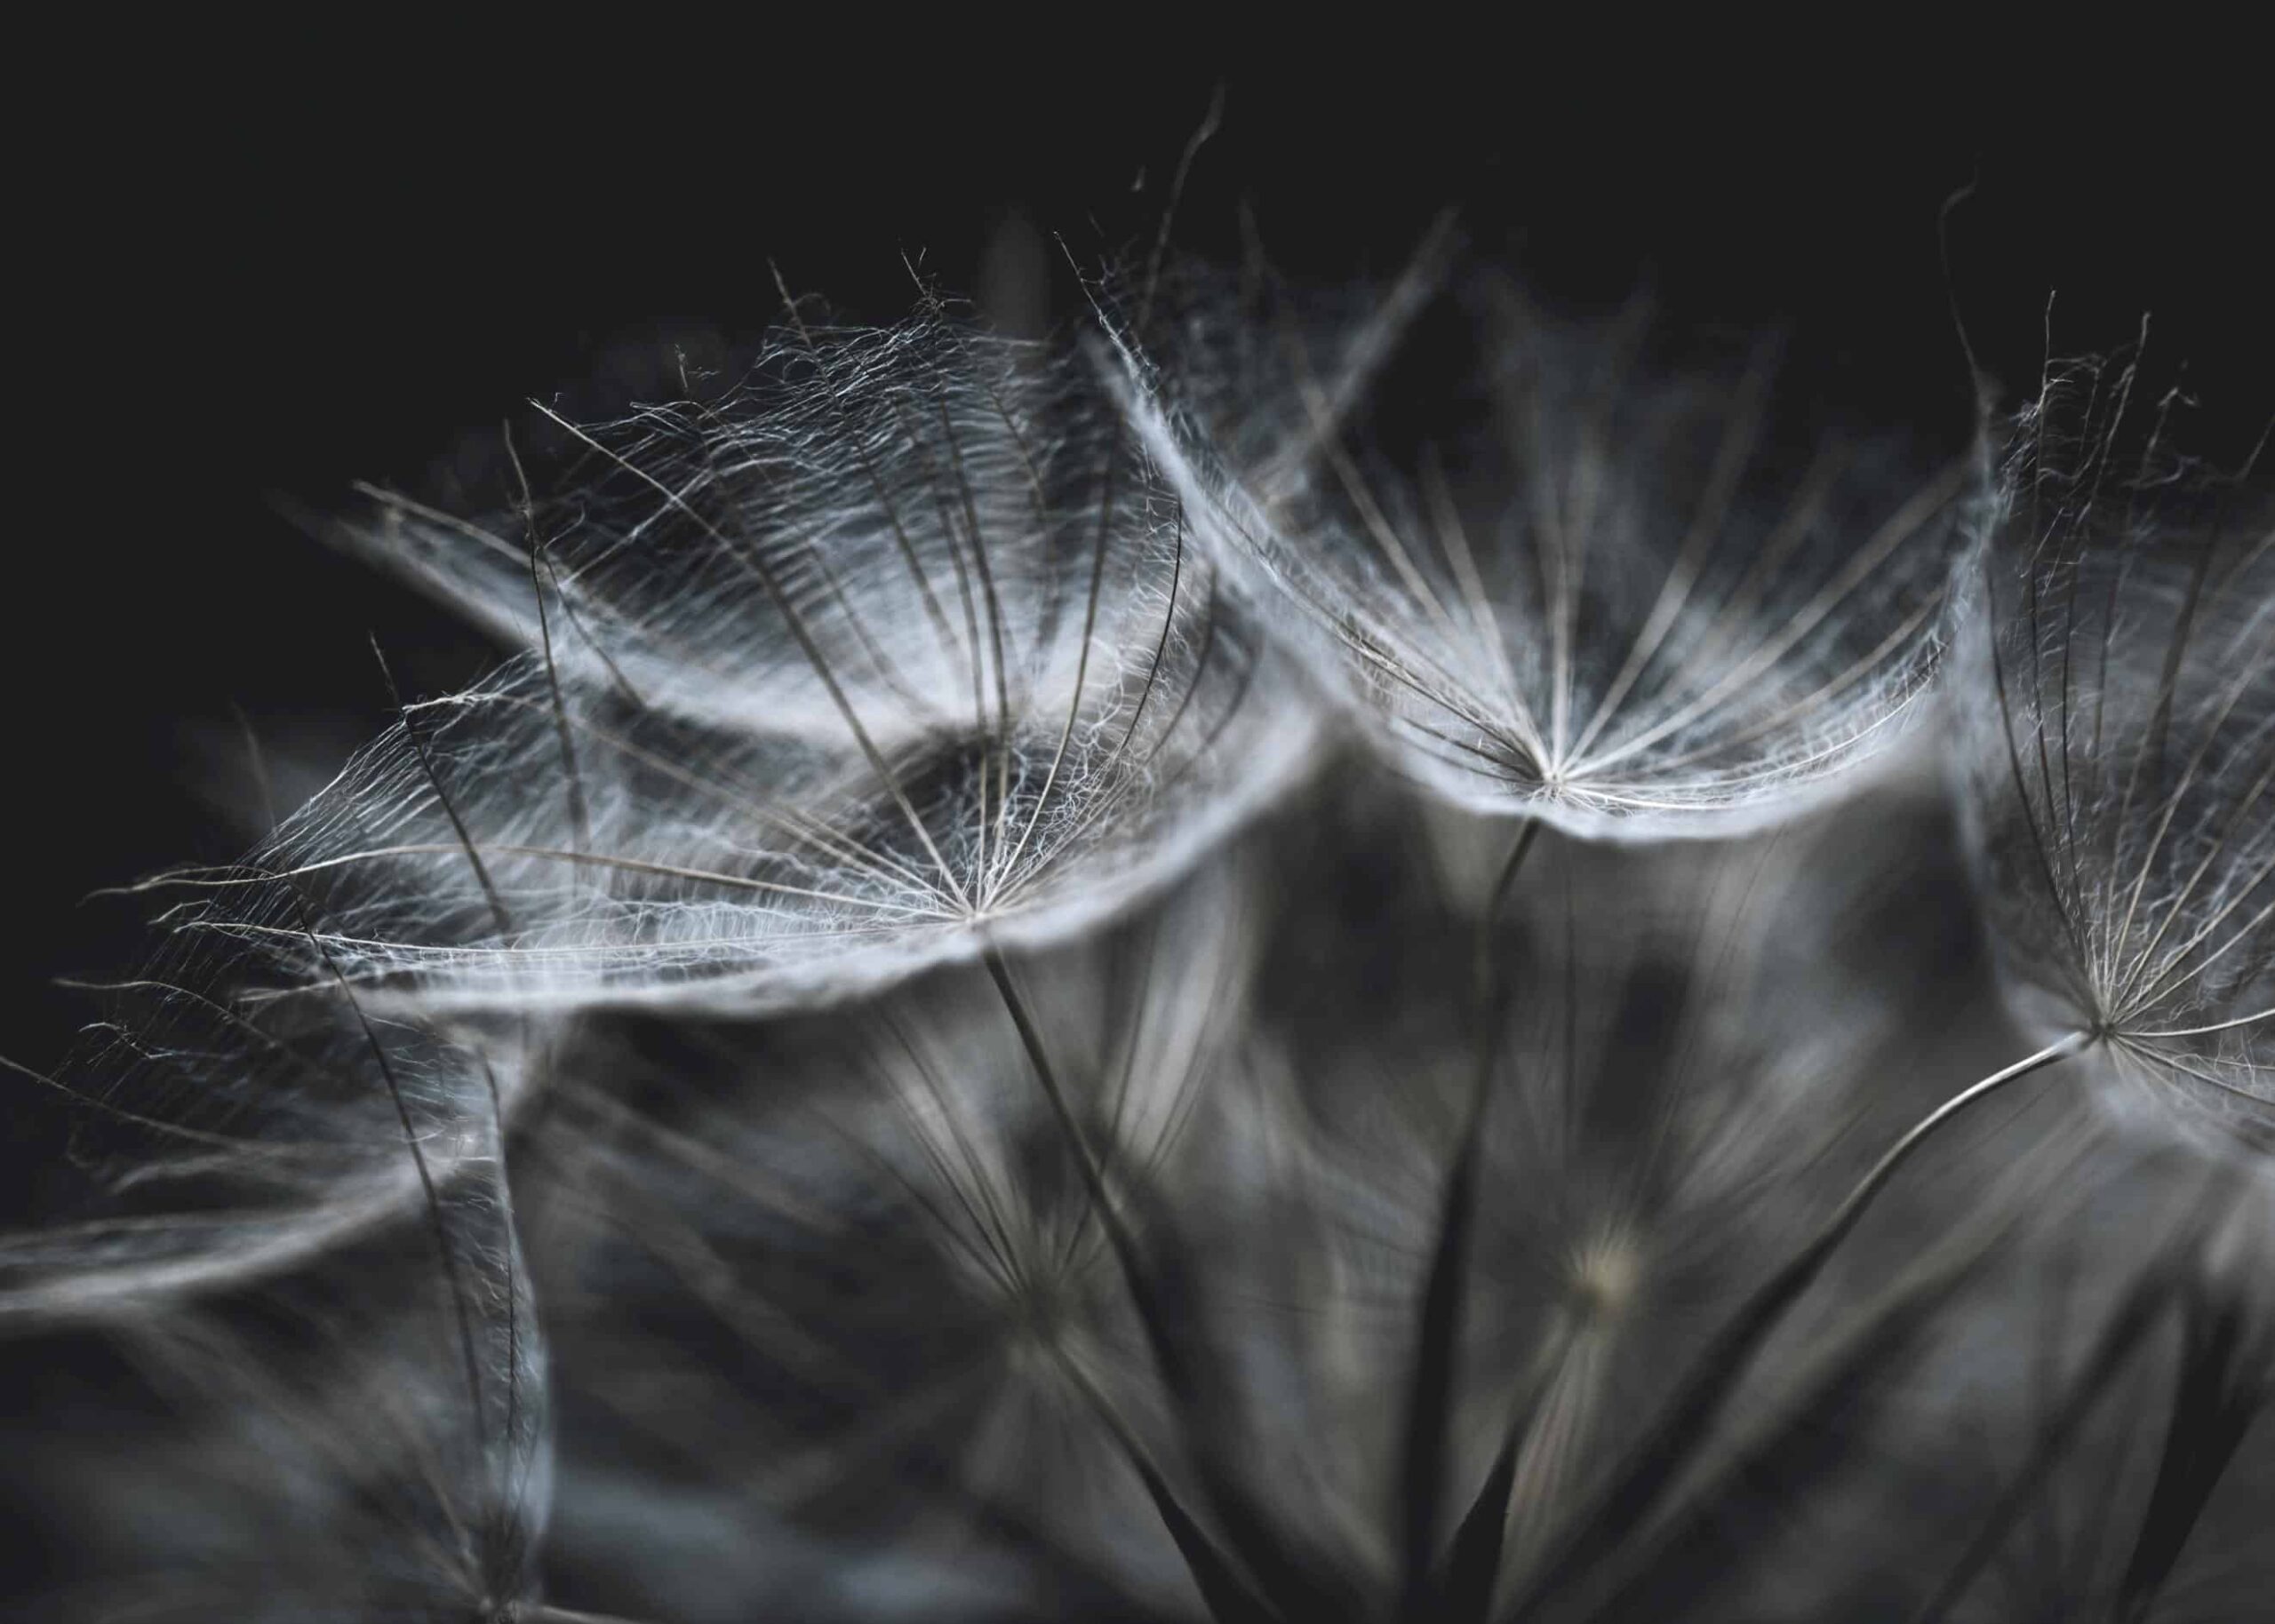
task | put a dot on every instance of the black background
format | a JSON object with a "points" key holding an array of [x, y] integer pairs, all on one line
{"points": [[263, 269]]}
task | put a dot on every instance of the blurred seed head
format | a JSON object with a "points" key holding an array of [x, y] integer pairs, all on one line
{"points": [[366, 1435], [837, 1282]]}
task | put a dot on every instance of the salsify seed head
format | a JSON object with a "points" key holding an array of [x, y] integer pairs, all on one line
{"points": [[2119, 714], [900, 649], [1556, 569]]}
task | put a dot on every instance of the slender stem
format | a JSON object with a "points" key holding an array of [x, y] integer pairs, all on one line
{"points": [[1484, 963], [1251, 1534], [1430, 1389], [2133, 1320], [580, 827], [1093, 1172], [1223, 1590], [1698, 1400], [1852, 1209]]}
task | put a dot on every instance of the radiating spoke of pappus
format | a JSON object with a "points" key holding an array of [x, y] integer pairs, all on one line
{"points": [[1579, 570], [901, 648], [835, 1291], [907, 514], [363, 1437], [2121, 755]]}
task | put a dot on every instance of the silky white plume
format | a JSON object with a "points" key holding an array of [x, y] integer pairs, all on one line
{"points": [[1635, 593], [895, 652], [2121, 748]]}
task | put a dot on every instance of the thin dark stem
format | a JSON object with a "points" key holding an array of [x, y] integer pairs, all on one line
{"points": [[2136, 1317], [425, 758], [1430, 1388], [1698, 1400], [436, 1223], [1093, 1172], [1294, 1590], [1223, 1590], [579, 820]]}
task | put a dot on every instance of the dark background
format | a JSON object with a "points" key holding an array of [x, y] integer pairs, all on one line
{"points": [[264, 272]]}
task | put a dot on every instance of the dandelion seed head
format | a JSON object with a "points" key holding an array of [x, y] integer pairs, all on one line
{"points": [[901, 648], [2119, 770], [1551, 568]]}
